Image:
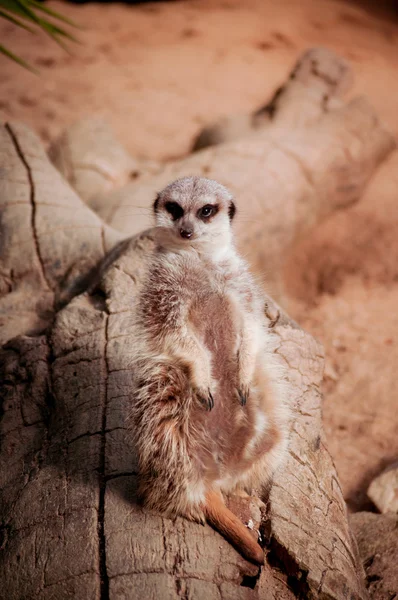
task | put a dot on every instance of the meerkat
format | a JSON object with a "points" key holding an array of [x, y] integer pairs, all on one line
{"points": [[209, 405]]}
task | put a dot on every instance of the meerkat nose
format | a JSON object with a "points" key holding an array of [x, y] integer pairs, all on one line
{"points": [[186, 233]]}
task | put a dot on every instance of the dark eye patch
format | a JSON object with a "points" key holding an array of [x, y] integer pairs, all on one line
{"points": [[174, 209], [207, 211]]}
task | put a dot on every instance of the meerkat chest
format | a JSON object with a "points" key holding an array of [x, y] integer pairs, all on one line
{"points": [[217, 313], [231, 281]]}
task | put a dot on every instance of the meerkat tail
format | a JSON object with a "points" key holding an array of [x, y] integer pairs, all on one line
{"points": [[228, 524]]}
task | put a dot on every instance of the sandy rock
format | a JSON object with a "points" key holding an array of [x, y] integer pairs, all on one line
{"points": [[377, 538], [383, 491]]}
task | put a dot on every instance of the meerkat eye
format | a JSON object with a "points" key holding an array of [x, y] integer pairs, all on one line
{"points": [[207, 211], [174, 209]]}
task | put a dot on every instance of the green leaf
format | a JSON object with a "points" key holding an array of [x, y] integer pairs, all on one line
{"points": [[26, 10], [23, 9], [16, 21], [17, 59], [53, 13], [52, 30], [20, 8]]}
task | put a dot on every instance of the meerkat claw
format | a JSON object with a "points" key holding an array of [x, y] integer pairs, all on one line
{"points": [[196, 515], [206, 400], [211, 401], [243, 394]]}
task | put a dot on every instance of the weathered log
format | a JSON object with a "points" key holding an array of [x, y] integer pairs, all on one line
{"points": [[318, 70], [71, 526], [45, 250], [314, 156], [93, 161]]}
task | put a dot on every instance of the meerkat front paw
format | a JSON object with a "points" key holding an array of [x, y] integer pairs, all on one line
{"points": [[245, 374], [205, 397], [243, 393]]}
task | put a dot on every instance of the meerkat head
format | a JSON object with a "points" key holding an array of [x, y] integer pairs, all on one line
{"points": [[195, 212]]}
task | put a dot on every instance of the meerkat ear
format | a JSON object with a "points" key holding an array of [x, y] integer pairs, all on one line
{"points": [[156, 204], [231, 210]]}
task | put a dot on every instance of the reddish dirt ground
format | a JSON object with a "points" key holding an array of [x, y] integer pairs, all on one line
{"points": [[159, 72]]}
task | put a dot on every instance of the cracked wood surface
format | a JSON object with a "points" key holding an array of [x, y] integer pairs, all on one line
{"points": [[45, 249], [71, 526], [329, 149]]}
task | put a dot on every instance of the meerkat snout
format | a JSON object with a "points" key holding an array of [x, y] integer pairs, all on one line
{"points": [[197, 210], [186, 233]]}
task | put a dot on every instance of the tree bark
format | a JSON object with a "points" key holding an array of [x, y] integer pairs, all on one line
{"points": [[71, 527]]}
